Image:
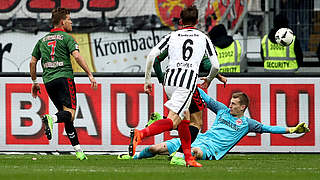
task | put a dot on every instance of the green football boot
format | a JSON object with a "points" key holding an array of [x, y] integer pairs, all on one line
{"points": [[153, 118], [178, 161], [81, 156], [171, 155], [48, 125], [124, 157]]}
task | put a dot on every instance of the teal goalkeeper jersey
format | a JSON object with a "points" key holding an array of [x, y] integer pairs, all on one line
{"points": [[54, 50], [227, 130]]}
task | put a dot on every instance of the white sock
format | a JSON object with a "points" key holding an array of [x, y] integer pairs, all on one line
{"points": [[77, 148], [54, 118], [179, 154]]}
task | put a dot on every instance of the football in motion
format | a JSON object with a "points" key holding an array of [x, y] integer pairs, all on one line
{"points": [[284, 36]]}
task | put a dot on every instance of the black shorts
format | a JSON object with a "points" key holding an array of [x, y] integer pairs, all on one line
{"points": [[197, 103], [62, 92]]}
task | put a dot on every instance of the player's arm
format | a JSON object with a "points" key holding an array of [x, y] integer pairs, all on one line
{"points": [[82, 63], [255, 126], [155, 51], [212, 104], [33, 73], [205, 66], [36, 55], [157, 65], [73, 47], [212, 55], [33, 68]]}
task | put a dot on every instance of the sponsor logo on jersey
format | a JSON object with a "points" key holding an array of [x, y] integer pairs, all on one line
{"points": [[52, 64], [239, 122], [231, 125], [188, 35], [53, 37]]}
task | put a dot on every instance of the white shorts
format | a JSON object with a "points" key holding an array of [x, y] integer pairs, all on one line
{"points": [[179, 99]]}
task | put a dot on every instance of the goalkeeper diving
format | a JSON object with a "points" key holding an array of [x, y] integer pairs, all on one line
{"points": [[229, 127]]}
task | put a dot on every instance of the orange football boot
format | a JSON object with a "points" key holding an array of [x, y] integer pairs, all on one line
{"points": [[135, 139]]}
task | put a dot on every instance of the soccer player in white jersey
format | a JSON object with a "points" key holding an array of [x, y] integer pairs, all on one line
{"points": [[229, 127], [186, 48]]}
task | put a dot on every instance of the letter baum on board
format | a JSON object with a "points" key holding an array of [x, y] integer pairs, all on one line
{"points": [[23, 116], [289, 105], [130, 108]]}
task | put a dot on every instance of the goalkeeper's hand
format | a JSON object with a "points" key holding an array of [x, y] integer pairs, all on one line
{"points": [[300, 128]]}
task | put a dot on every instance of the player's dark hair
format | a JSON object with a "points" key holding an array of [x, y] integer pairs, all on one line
{"points": [[244, 99], [189, 15], [58, 14]]}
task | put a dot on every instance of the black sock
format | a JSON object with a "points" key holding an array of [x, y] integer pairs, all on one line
{"points": [[71, 132], [194, 133], [63, 116]]}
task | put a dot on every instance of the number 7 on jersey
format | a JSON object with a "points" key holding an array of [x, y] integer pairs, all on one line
{"points": [[53, 46]]}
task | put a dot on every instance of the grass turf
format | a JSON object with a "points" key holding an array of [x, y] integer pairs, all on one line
{"points": [[233, 166]]}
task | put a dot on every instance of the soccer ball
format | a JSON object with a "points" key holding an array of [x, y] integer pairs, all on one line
{"points": [[284, 36]]}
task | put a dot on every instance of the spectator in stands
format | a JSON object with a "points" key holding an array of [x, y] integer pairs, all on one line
{"points": [[228, 50], [255, 17], [279, 58]]}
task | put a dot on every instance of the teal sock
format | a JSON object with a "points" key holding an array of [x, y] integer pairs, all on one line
{"points": [[145, 153]]}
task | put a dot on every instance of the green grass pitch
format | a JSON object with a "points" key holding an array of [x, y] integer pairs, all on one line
{"points": [[100, 167]]}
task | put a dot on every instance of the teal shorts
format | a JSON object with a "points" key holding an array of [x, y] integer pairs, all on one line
{"points": [[174, 144]]}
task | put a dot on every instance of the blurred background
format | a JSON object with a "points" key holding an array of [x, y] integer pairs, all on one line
{"points": [[116, 35]]}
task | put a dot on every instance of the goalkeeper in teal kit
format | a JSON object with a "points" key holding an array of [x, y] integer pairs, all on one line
{"points": [[227, 130]]}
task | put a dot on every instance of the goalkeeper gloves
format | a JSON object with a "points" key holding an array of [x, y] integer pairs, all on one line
{"points": [[300, 128]]}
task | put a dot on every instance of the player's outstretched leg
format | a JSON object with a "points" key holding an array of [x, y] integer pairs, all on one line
{"points": [[48, 125]]}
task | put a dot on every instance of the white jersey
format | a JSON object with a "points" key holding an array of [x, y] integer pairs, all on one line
{"points": [[186, 48]]}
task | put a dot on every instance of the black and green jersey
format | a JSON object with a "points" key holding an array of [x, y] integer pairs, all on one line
{"points": [[54, 50]]}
